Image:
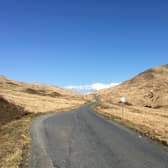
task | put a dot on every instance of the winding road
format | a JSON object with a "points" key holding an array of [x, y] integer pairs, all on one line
{"points": [[83, 139]]}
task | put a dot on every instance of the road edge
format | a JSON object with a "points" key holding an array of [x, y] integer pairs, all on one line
{"points": [[129, 125], [39, 154]]}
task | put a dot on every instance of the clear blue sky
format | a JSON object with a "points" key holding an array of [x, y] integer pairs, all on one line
{"points": [[71, 42]]}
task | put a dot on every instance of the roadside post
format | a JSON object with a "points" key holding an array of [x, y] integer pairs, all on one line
{"points": [[123, 100]]}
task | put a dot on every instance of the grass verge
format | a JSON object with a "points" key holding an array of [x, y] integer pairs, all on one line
{"points": [[14, 137], [15, 140], [140, 128]]}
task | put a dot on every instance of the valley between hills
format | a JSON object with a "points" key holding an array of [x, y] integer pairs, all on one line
{"points": [[146, 109]]}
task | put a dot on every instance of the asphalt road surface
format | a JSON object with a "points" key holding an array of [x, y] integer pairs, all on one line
{"points": [[82, 139]]}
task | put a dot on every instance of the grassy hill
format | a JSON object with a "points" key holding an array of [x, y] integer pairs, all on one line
{"points": [[35, 97], [19, 103], [148, 89], [146, 102]]}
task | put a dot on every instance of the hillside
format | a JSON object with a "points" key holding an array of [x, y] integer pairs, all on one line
{"points": [[36, 97], [147, 89], [146, 103], [19, 103]]}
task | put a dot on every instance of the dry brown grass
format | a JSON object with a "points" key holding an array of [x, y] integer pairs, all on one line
{"points": [[147, 103], [15, 140], [35, 97], [150, 122], [36, 103], [141, 90], [14, 136]]}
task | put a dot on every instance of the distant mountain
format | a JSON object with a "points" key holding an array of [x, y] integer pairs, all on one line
{"points": [[86, 89]]}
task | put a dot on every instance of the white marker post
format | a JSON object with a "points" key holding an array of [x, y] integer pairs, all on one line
{"points": [[123, 100]]}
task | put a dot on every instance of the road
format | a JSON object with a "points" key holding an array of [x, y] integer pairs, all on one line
{"points": [[82, 139]]}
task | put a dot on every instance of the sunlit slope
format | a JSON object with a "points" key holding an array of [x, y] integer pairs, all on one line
{"points": [[36, 97]]}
